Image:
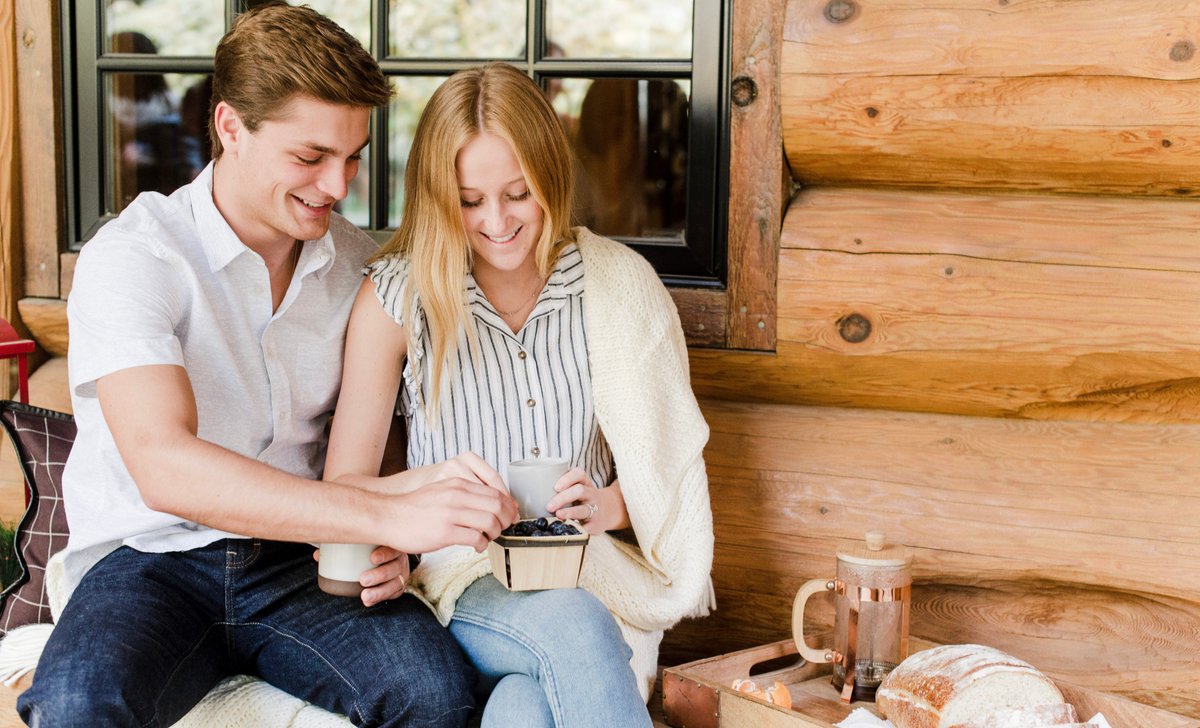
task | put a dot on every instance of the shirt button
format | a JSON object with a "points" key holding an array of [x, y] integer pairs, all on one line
{"points": [[520, 355], [536, 451], [530, 402]]}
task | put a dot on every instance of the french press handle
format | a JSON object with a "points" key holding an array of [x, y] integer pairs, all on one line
{"points": [[816, 656]]}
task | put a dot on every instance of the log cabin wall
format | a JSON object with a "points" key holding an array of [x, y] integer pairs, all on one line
{"points": [[988, 339]]}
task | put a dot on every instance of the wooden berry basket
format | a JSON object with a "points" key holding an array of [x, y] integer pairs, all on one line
{"points": [[699, 695], [525, 563]]}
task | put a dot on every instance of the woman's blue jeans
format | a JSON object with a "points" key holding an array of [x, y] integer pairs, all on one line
{"points": [[145, 636], [547, 658]]}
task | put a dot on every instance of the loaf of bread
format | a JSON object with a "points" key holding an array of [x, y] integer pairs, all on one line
{"points": [[954, 685]]}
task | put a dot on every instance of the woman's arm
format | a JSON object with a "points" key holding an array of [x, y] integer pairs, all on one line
{"points": [[371, 370], [374, 361]]}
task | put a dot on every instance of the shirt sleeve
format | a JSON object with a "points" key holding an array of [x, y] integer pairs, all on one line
{"points": [[390, 277], [123, 311]]}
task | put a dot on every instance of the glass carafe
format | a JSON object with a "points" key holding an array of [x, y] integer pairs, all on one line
{"points": [[872, 601]]}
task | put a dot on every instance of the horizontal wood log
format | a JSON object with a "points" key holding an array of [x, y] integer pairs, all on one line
{"points": [[970, 94], [702, 312], [1070, 543], [1006, 306], [46, 319], [1135, 38]]}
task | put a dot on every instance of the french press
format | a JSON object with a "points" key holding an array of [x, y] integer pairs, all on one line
{"points": [[873, 596]]}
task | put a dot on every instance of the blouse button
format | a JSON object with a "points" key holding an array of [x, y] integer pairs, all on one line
{"points": [[536, 451], [520, 355], [530, 402]]}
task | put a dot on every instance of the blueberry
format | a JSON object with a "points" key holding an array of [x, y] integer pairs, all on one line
{"points": [[558, 528], [542, 524]]}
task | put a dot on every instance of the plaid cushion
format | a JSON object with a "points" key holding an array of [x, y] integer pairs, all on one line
{"points": [[42, 439]]}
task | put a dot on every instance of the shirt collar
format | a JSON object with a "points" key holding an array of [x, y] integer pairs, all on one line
{"points": [[565, 280], [222, 245]]}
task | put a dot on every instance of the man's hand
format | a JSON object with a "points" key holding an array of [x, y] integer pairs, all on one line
{"points": [[452, 511], [465, 466]]}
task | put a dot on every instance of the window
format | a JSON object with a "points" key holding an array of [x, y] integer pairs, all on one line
{"points": [[639, 88]]}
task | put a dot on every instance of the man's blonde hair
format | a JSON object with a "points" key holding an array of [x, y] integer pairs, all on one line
{"points": [[276, 52]]}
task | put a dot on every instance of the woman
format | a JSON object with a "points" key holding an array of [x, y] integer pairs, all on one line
{"points": [[526, 338]]}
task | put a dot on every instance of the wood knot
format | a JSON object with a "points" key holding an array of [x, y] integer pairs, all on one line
{"points": [[854, 328], [1183, 51], [839, 11], [744, 91], [1166, 143], [872, 112], [28, 37]]}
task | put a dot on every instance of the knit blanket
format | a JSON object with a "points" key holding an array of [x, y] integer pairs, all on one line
{"points": [[649, 415]]}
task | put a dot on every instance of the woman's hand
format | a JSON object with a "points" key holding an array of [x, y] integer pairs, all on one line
{"points": [[387, 580], [598, 509]]}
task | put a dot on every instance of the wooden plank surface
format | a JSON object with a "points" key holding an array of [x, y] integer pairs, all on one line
{"points": [[755, 207], [11, 270], [39, 114], [1025, 306], [47, 321], [1069, 544], [1134, 38], [1054, 134], [978, 94]]}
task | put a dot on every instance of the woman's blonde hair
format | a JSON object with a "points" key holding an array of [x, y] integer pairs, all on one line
{"points": [[498, 99]]}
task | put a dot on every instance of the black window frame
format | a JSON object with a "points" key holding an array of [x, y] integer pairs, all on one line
{"points": [[698, 260]]}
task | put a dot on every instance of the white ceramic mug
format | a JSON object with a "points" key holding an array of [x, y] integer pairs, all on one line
{"points": [[531, 483], [341, 566]]}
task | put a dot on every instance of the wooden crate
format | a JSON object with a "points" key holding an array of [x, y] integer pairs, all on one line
{"points": [[699, 695]]}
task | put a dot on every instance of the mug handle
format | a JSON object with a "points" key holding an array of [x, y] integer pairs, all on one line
{"points": [[810, 587]]}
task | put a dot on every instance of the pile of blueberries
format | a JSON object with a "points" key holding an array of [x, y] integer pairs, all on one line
{"points": [[540, 527]]}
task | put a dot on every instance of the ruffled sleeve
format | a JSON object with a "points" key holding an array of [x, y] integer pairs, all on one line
{"points": [[389, 276]]}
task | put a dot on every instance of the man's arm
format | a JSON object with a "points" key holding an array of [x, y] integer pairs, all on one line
{"points": [[152, 415]]}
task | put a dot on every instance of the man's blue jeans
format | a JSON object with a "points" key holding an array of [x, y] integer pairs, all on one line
{"points": [[145, 636]]}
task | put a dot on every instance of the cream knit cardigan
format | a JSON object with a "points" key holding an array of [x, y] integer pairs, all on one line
{"points": [[646, 409], [649, 416]]}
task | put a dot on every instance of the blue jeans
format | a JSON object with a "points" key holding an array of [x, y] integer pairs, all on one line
{"points": [[145, 636], [547, 658]]}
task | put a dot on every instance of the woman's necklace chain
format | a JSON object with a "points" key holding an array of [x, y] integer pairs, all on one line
{"points": [[536, 290]]}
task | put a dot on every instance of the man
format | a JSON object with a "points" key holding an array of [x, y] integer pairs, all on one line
{"points": [[206, 347]]}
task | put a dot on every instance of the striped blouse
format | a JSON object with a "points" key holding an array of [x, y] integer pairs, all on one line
{"points": [[523, 395]]}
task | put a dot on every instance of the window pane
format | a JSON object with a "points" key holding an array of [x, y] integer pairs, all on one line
{"points": [[156, 133], [355, 207], [621, 28], [412, 93], [166, 27], [448, 29], [353, 15], [630, 138]]}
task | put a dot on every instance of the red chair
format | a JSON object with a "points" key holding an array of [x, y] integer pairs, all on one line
{"points": [[13, 345]]}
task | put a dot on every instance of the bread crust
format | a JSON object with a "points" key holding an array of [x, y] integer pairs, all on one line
{"points": [[918, 692]]}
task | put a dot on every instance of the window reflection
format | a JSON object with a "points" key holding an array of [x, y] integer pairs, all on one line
{"points": [[449, 29], [630, 29], [155, 142], [630, 140], [412, 93], [175, 27]]}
